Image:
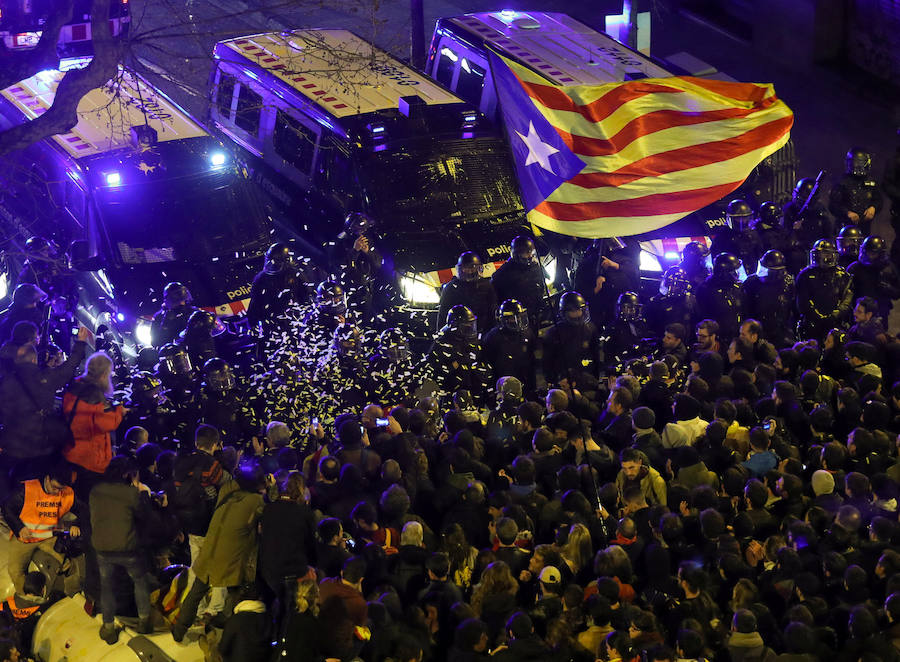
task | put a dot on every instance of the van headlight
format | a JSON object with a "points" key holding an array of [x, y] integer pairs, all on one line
{"points": [[649, 262], [142, 333], [418, 291]]}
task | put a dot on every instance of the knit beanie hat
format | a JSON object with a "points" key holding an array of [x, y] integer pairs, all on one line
{"points": [[686, 407], [822, 482], [643, 418]]}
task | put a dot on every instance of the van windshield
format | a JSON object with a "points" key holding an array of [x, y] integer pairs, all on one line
{"points": [[426, 182], [190, 219]]}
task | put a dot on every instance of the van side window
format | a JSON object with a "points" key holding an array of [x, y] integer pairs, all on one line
{"points": [[446, 64], [224, 94], [75, 200], [470, 81], [249, 109], [294, 142]]}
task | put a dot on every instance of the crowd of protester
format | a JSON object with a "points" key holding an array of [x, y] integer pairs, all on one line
{"points": [[583, 480]]}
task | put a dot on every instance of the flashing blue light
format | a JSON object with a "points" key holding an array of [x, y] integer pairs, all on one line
{"points": [[113, 179], [672, 255], [508, 13], [217, 159], [120, 317], [470, 117]]}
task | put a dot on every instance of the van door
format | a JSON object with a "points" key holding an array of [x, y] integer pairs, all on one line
{"points": [[237, 110], [291, 146]]}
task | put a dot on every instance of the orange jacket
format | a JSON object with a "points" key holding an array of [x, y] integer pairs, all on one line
{"points": [[90, 428], [41, 512]]}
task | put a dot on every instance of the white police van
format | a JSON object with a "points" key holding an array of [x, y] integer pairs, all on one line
{"points": [[328, 124]]}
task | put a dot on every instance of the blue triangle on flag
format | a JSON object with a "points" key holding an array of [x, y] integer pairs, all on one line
{"points": [[543, 161]]}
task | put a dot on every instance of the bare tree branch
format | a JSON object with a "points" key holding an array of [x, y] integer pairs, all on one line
{"points": [[62, 115], [19, 65]]}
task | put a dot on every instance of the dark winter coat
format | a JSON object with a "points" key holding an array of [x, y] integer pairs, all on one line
{"points": [[246, 637]]}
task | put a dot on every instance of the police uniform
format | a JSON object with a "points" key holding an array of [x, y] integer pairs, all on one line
{"points": [[477, 295], [571, 347], [167, 324], [879, 281], [722, 299], [824, 299], [454, 362], [272, 294], [855, 194], [525, 282], [665, 309], [510, 353], [770, 301]]}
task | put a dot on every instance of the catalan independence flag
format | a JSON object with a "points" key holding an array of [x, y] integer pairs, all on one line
{"points": [[626, 158]]}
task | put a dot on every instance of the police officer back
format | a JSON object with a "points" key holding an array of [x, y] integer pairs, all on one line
{"points": [[721, 296], [468, 288], [769, 298], [172, 318], [521, 277]]}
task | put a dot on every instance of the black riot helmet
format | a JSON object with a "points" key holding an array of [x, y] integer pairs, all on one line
{"points": [[146, 388], [278, 258], [803, 189], [356, 224], [873, 251], [218, 376], [345, 339], [772, 265], [694, 253], [330, 298], [41, 246], [174, 360], [522, 250], [573, 308], [512, 315], [469, 267], [768, 215], [28, 294], [393, 344], [738, 214], [628, 307], [823, 254], [176, 294], [726, 264], [849, 240], [463, 320], [675, 282], [201, 324], [857, 162]]}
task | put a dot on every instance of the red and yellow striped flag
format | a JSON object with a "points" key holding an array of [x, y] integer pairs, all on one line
{"points": [[626, 158]]}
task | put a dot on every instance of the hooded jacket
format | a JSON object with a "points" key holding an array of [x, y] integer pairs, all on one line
{"points": [[749, 646], [91, 425], [653, 487]]}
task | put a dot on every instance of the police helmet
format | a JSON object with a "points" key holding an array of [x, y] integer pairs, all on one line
{"points": [[330, 298], [675, 281], [803, 189], [823, 254], [146, 387], [28, 294], [357, 223], [176, 294], [873, 250], [512, 315], [849, 240], [726, 264], [345, 339], [174, 360], [771, 264], [858, 162], [200, 324], [694, 252], [277, 258], [38, 245], [573, 308], [738, 214], [392, 344], [469, 267], [768, 214], [462, 319], [218, 375], [628, 307], [522, 250]]}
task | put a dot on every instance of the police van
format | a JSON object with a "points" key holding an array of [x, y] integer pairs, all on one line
{"points": [[566, 52], [331, 125], [143, 195]]}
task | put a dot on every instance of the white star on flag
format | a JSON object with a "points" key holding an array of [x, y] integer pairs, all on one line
{"points": [[538, 151]]}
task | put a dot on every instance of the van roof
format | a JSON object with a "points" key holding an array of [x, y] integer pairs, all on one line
{"points": [[339, 71], [104, 120], [557, 47]]}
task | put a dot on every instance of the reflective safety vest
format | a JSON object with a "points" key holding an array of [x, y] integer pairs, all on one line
{"points": [[18, 612], [41, 512]]}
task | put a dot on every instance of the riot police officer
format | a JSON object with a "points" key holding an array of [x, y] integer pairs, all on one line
{"points": [[769, 227], [222, 405], [468, 288], [276, 287], [147, 409], [805, 221], [674, 303], [695, 262], [330, 309], [454, 356], [721, 297], [572, 345], [362, 267], [521, 277], [626, 334], [176, 373], [824, 292], [344, 374], [769, 298], [856, 198], [391, 367], [508, 348], [738, 238], [849, 240], [172, 318], [609, 268], [874, 275], [197, 337]]}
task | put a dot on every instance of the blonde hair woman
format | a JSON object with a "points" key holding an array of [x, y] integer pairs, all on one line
{"points": [[578, 552], [91, 416], [301, 638], [494, 597]]}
